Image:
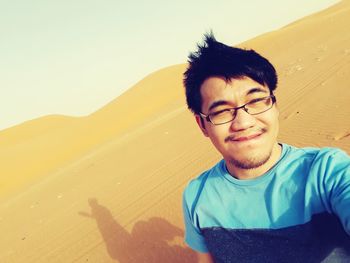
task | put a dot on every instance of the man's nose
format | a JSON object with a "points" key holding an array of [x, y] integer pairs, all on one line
{"points": [[242, 121]]}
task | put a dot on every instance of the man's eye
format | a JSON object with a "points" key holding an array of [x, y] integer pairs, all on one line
{"points": [[220, 112], [256, 100]]}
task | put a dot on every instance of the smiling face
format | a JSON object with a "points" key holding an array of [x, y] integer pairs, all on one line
{"points": [[249, 142]]}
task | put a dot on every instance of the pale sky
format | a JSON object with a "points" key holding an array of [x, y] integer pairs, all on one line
{"points": [[72, 57]]}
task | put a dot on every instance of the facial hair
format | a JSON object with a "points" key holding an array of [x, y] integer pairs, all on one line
{"points": [[250, 163]]}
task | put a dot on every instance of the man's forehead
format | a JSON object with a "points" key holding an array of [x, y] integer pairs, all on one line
{"points": [[216, 80], [243, 84]]}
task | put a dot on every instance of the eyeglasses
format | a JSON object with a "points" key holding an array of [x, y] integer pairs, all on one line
{"points": [[253, 107]]}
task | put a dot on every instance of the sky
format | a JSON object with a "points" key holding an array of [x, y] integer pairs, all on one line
{"points": [[72, 57]]}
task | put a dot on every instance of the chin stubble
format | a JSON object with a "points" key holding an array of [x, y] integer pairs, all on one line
{"points": [[250, 163]]}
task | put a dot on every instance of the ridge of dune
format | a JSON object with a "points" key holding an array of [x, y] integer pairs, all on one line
{"points": [[45, 144], [338, 11], [153, 87], [333, 10], [33, 128], [318, 29], [118, 198]]}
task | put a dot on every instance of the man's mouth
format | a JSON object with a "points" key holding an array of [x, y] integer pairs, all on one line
{"points": [[244, 138]]}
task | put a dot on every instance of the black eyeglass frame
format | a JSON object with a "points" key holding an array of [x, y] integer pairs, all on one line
{"points": [[234, 110]]}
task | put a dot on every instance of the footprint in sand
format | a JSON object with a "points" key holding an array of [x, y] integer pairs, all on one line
{"points": [[290, 115], [293, 69], [341, 136], [34, 205], [298, 67], [322, 48]]}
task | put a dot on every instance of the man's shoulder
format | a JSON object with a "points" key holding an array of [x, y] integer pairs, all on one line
{"points": [[314, 152], [316, 158], [196, 185]]}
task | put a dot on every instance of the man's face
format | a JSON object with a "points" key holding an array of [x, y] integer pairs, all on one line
{"points": [[249, 140]]}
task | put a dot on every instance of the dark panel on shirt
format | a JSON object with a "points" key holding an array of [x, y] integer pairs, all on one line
{"points": [[323, 239]]}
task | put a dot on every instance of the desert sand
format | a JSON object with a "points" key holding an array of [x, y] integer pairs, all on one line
{"points": [[107, 187]]}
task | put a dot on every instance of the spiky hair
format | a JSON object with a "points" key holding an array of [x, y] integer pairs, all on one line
{"points": [[213, 58]]}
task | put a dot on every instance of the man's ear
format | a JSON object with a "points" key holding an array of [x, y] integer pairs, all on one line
{"points": [[200, 121]]}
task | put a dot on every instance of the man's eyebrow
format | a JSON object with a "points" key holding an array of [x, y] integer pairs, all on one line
{"points": [[218, 103], [257, 89]]}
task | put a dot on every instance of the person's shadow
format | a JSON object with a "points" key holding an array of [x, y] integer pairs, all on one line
{"points": [[149, 241]]}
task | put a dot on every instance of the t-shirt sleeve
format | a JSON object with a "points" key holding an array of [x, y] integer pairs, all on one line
{"points": [[336, 170], [193, 236]]}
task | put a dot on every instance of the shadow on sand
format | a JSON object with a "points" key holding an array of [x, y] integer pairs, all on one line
{"points": [[149, 241]]}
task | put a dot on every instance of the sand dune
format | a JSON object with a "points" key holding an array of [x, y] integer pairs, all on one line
{"points": [[107, 187], [313, 61], [44, 145]]}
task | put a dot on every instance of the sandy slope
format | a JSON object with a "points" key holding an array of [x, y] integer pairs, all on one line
{"points": [[313, 61], [46, 144], [106, 188]]}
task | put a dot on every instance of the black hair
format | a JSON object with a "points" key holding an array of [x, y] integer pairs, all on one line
{"points": [[217, 59]]}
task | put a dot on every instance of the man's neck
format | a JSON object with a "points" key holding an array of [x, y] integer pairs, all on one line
{"points": [[244, 174]]}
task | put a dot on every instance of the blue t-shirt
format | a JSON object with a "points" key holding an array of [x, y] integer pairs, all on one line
{"points": [[298, 211]]}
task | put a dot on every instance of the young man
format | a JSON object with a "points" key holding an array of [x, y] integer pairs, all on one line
{"points": [[265, 201]]}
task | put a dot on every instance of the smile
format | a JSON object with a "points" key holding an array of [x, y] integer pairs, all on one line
{"points": [[246, 138]]}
